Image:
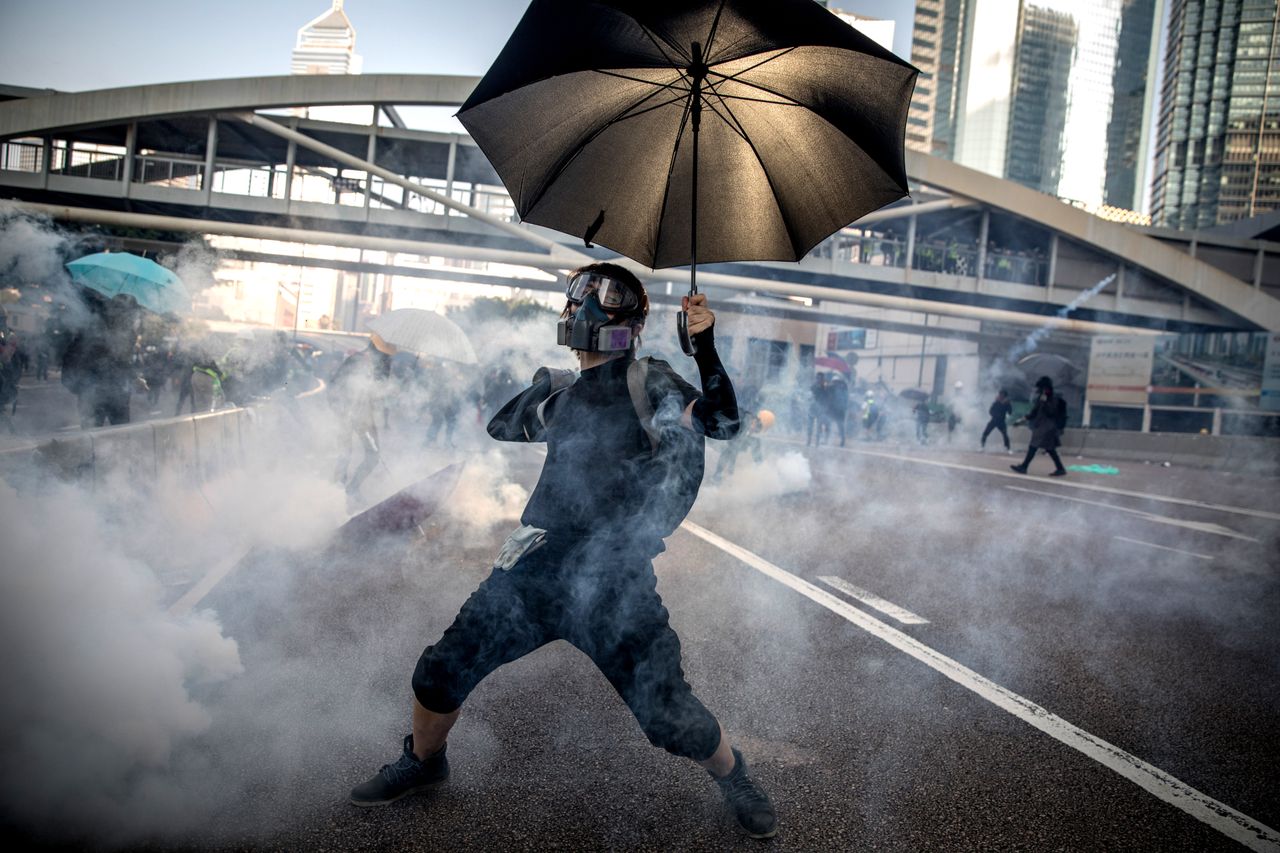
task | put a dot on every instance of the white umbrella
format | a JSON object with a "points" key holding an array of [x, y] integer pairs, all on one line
{"points": [[425, 333]]}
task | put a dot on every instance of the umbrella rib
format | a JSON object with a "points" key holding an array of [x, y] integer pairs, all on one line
{"points": [[673, 85], [748, 69], [573, 155], [773, 190], [666, 187], [711, 36]]}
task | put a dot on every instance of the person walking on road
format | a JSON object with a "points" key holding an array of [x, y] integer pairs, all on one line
{"points": [[838, 403], [356, 393], [922, 421], [1000, 409], [625, 445], [1047, 419], [819, 411]]}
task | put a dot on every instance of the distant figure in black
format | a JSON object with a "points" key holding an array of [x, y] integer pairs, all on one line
{"points": [[97, 365], [1000, 409], [1047, 419], [838, 402], [922, 421]]}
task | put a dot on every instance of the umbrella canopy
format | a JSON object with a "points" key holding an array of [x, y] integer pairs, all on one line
{"points": [[1059, 370], [592, 113], [833, 362], [122, 274], [914, 394], [425, 333]]}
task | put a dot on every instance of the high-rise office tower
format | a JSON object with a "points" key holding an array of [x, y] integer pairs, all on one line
{"points": [[1218, 149], [326, 45], [1039, 107], [1027, 89], [937, 46]]}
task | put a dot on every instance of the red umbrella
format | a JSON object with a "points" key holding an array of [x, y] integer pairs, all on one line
{"points": [[833, 362]]}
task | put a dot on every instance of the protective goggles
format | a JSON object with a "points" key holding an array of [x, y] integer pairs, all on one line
{"points": [[613, 294]]}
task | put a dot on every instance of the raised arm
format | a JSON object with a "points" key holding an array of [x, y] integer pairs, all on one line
{"points": [[715, 412]]}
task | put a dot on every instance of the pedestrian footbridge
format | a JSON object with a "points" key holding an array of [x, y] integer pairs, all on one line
{"points": [[269, 158]]}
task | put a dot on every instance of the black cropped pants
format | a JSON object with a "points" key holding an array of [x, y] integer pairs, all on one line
{"points": [[603, 601]]}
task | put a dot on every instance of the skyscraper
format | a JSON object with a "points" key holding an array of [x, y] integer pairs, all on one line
{"points": [[1039, 108], [1027, 89], [1218, 150], [937, 46], [326, 45]]}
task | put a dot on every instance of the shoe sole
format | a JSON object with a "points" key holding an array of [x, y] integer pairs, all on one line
{"points": [[370, 804]]}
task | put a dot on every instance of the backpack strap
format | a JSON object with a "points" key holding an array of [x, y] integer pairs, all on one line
{"points": [[637, 384], [541, 411]]}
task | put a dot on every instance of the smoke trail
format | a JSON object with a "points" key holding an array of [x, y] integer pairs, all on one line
{"points": [[1033, 340]]}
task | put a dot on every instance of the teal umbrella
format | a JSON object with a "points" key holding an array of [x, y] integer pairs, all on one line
{"points": [[120, 273]]}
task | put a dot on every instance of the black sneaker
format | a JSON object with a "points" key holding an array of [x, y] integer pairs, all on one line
{"points": [[1061, 472], [750, 805], [1018, 468], [408, 775]]}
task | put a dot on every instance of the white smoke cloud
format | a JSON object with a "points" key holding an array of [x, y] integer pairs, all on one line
{"points": [[98, 678]]}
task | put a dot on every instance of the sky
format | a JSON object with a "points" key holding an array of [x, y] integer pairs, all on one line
{"points": [[76, 45]]}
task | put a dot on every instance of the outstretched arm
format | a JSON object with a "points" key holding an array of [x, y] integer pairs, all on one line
{"points": [[715, 413]]}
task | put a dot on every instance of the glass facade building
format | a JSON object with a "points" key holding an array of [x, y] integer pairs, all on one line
{"points": [[1218, 149], [1053, 94]]}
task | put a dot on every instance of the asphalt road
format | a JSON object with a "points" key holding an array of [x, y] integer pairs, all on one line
{"points": [[1120, 611], [1078, 664]]}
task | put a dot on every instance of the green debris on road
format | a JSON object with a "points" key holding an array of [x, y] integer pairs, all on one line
{"points": [[1094, 469]]}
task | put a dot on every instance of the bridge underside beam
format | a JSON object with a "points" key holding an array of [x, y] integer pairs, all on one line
{"points": [[765, 280]]}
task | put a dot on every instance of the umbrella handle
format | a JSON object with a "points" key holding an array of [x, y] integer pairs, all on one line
{"points": [[682, 331]]}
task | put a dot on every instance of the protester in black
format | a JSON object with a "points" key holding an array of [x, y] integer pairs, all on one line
{"points": [[356, 392], [624, 462], [1047, 419], [1000, 409]]}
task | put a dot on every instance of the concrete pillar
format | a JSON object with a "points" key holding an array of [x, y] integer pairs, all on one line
{"points": [[911, 242], [1086, 414], [983, 231], [448, 171], [46, 156], [1146, 417], [1053, 266], [1216, 429], [290, 156], [372, 158], [130, 151], [210, 152]]}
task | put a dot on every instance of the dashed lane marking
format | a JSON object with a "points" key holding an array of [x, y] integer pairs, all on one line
{"points": [[1221, 817], [1164, 547], [888, 608], [1202, 526], [1066, 482]]}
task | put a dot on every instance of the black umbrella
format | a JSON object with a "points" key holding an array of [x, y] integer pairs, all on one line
{"points": [[595, 115]]}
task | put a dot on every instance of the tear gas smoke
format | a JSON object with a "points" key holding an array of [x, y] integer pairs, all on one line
{"points": [[1032, 340]]}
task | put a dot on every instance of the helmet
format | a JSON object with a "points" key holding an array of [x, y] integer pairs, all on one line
{"points": [[766, 419]]}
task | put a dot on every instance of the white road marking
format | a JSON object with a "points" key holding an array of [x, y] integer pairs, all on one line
{"points": [[1221, 817], [888, 608], [205, 585], [1164, 547], [1202, 526], [1066, 482]]}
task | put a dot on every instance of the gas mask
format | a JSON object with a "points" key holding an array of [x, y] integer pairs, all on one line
{"points": [[588, 329]]}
